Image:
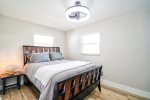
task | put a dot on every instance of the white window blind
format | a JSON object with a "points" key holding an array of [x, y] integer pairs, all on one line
{"points": [[90, 44], [40, 40]]}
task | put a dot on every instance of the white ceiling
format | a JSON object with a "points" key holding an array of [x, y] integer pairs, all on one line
{"points": [[52, 12]]}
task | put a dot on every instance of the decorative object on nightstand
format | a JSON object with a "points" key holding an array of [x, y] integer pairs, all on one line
{"points": [[6, 76], [11, 69]]}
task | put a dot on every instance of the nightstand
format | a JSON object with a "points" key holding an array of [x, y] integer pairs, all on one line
{"points": [[6, 76]]}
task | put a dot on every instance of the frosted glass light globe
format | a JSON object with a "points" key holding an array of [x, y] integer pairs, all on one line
{"points": [[77, 13]]}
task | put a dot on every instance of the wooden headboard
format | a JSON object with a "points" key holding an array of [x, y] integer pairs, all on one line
{"points": [[27, 50]]}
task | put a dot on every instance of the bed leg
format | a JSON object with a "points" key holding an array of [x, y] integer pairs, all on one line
{"points": [[99, 86], [26, 81], [100, 72]]}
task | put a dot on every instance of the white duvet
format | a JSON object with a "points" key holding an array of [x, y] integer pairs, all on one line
{"points": [[43, 74]]}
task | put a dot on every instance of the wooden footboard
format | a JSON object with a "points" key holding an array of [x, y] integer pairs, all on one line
{"points": [[78, 86]]}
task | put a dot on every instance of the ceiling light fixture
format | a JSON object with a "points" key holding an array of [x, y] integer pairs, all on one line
{"points": [[77, 13]]}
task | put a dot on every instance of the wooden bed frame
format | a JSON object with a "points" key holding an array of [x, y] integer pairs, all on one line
{"points": [[74, 88]]}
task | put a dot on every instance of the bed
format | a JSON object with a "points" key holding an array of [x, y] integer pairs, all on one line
{"points": [[60, 79]]}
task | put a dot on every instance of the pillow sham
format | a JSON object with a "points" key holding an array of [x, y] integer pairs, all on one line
{"points": [[56, 56], [39, 57]]}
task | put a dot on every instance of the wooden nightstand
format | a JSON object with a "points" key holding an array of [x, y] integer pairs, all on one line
{"points": [[6, 76]]}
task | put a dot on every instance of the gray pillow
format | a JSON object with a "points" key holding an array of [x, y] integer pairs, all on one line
{"points": [[56, 56], [39, 57]]}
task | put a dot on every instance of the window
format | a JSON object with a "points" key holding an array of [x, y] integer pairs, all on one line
{"points": [[40, 40], [90, 44]]}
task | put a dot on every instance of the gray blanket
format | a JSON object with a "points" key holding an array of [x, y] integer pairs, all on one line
{"points": [[47, 91]]}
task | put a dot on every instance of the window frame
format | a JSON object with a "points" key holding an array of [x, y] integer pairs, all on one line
{"points": [[91, 54], [44, 44]]}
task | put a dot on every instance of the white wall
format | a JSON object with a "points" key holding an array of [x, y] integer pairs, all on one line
{"points": [[125, 48], [16, 33]]}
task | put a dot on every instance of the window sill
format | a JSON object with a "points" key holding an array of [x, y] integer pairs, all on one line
{"points": [[90, 54]]}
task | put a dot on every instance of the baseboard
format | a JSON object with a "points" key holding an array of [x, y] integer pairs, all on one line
{"points": [[126, 88]]}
